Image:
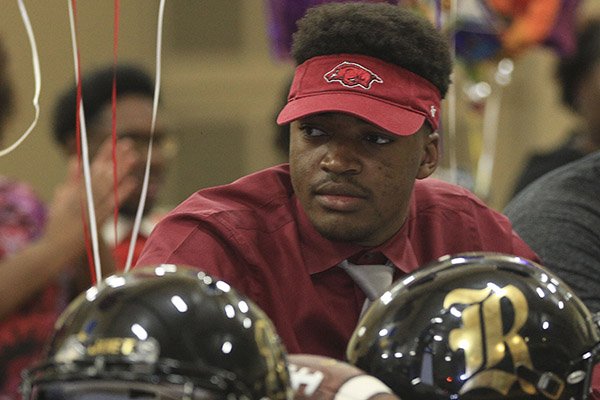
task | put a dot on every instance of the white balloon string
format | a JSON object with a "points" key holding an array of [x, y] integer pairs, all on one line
{"points": [[37, 76], [491, 117], [485, 164], [85, 153], [143, 195]]}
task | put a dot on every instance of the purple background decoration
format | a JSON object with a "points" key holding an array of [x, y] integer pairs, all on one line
{"points": [[562, 36], [474, 45], [282, 17]]}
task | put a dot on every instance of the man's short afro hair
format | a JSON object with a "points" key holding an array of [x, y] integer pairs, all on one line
{"points": [[392, 33], [96, 91]]}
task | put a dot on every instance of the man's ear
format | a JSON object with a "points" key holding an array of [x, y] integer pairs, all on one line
{"points": [[431, 154]]}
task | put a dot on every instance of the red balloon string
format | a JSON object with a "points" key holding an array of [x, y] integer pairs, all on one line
{"points": [[114, 117], [86, 233]]}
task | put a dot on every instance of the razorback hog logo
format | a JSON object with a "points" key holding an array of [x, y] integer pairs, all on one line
{"points": [[351, 74]]}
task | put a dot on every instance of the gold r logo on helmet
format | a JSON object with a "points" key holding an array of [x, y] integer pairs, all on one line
{"points": [[485, 342]]}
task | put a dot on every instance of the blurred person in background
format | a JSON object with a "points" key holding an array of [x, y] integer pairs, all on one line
{"points": [[558, 215], [135, 96], [42, 249]]}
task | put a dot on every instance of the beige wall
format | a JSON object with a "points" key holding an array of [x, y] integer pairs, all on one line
{"points": [[221, 88], [220, 85]]}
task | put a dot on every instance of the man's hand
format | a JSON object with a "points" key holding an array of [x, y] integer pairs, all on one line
{"points": [[64, 227]]}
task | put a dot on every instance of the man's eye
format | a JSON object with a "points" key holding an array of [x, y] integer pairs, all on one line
{"points": [[378, 139], [312, 131]]}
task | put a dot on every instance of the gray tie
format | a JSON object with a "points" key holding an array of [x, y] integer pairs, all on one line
{"points": [[373, 279]]}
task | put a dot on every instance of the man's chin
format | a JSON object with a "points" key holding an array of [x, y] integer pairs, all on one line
{"points": [[341, 234]]}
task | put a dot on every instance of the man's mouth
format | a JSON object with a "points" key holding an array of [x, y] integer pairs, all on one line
{"points": [[340, 197]]}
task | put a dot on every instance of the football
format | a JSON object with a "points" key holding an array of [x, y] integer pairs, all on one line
{"points": [[316, 377]]}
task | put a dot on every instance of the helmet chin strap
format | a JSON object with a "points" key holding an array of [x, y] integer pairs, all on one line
{"points": [[550, 385], [546, 383]]}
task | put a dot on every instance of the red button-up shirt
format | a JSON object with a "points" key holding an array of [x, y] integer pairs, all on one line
{"points": [[254, 235]]}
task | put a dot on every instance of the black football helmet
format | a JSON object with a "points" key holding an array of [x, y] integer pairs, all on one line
{"points": [[479, 326], [163, 331]]}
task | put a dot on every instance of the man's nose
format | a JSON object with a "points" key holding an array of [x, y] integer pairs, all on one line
{"points": [[341, 157]]}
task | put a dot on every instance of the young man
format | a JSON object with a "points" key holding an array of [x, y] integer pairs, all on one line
{"points": [[135, 92], [364, 108]]}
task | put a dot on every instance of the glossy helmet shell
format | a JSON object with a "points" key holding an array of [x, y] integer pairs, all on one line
{"points": [[167, 325], [479, 326]]}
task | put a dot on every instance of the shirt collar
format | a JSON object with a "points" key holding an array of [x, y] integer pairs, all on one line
{"points": [[398, 249]]}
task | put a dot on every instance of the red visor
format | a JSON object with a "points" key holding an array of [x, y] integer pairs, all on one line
{"points": [[381, 93]]}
